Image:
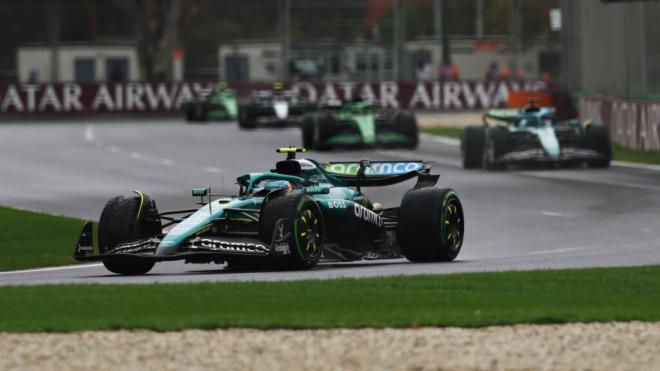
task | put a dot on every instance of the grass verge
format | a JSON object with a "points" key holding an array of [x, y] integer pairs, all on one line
{"points": [[620, 153], [31, 239], [473, 299]]}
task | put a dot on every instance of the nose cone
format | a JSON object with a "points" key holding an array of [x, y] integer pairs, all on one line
{"points": [[549, 142]]}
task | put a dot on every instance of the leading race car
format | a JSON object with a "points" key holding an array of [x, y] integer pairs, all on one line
{"points": [[293, 217], [359, 124], [533, 135], [219, 104], [274, 108]]}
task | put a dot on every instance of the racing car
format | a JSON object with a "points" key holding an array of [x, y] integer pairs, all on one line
{"points": [[533, 135], [219, 104], [300, 213], [274, 108], [359, 124]]}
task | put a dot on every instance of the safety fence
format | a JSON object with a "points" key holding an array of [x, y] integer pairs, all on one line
{"points": [[168, 97], [632, 124]]}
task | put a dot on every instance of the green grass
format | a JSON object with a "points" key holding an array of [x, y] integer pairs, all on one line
{"points": [[631, 155], [30, 239], [620, 153], [473, 299]]}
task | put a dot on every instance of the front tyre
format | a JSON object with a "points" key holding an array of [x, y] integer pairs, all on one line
{"points": [[304, 222], [128, 218], [431, 225]]}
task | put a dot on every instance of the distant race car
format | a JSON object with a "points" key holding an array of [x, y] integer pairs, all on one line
{"points": [[359, 124], [293, 217], [274, 108], [533, 135], [219, 104]]}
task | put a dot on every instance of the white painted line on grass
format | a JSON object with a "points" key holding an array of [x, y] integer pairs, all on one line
{"points": [[50, 269]]}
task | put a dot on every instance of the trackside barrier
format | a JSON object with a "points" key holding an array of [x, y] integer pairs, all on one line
{"points": [[168, 97], [632, 124]]}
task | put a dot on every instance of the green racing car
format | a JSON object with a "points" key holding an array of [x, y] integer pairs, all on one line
{"points": [[220, 104], [533, 135], [359, 124], [300, 213]]}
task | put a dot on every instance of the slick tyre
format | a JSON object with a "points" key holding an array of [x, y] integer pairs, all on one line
{"points": [[496, 144], [191, 112], [308, 135], [406, 124], [597, 138], [128, 218], [431, 225], [324, 126], [304, 221], [472, 147], [245, 119]]}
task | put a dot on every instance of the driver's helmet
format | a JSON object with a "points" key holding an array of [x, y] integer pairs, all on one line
{"points": [[278, 86], [222, 85], [546, 120], [272, 185]]}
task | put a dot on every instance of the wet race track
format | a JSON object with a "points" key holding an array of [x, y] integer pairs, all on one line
{"points": [[517, 219]]}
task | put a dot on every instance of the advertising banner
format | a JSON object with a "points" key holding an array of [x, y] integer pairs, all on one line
{"points": [[168, 97], [632, 124]]}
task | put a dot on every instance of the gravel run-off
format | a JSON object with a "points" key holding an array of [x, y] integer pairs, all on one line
{"points": [[604, 346]]}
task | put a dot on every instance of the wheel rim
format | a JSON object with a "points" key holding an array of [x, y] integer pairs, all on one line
{"points": [[452, 224], [308, 232]]}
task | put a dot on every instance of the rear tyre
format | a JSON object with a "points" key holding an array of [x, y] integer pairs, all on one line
{"points": [[324, 126], [190, 110], [431, 225], [128, 218], [304, 219], [308, 132], [472, 147], [496, 144], [245, 119], [406, 124], [597, 138]]}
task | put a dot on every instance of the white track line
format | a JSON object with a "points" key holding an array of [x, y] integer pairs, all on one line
{"points": [[635, 165], [559, 215], [49, 269], [439, 139], [89, 133]]}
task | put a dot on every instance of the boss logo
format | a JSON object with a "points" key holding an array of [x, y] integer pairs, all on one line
{"points": [[336, 204], [367, 215]]}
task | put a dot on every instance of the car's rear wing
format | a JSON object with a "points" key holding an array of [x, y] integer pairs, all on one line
{"points": [[381, 173]]}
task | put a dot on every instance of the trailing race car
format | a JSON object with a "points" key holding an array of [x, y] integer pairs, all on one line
{"points": [[275, 107], [359, 124], [533, 135], [219, 104], [301, 212]]}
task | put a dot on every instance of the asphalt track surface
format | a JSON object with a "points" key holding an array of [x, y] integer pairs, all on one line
{"points": [[515, 220]]}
